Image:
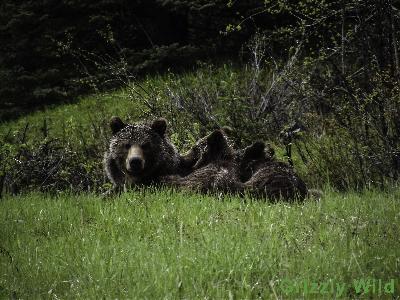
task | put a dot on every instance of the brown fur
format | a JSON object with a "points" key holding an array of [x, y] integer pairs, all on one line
{"points": [[265, 177], [214, 168], [276, 180], [218, 167], [140, 153], [143, 154]]}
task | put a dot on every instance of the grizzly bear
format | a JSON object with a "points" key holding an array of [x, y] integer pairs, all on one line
{"points": [[140, 153], [143, 154], [265, 177], [214, 168], [246, 159], [190, 159], [253, 170]]}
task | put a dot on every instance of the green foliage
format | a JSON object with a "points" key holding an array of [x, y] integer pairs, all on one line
{"points": [[164, 244], [345, 145]]}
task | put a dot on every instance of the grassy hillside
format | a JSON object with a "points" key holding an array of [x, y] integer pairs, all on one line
{"points": [[164, 244], [257, 104], [86, 121], [77, 134], [68, 243]]}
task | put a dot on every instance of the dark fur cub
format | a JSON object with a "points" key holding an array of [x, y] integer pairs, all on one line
{"points": [[139, 153], [264, 176], [190, 159], [214, 170], [249, 158]]}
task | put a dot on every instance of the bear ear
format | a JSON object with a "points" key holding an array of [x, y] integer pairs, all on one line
{"points": [[159, 126], [255, 150], [116, 124]]}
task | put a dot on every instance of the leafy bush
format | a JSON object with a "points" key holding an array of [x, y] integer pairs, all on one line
{"points": [[50, 167]]}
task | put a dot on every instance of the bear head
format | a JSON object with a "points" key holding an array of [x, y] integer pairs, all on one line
{"points": [[217, 149], [251, 158], [141, 151]]}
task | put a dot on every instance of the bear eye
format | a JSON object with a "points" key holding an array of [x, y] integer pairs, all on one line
{"points": [[127, 146]]}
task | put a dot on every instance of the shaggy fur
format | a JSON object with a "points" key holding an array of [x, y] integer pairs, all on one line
{"points": [[248, 158], [214, 168], [267, 178], [218, 167], [143, 154], [275, 180], [140, 153]]}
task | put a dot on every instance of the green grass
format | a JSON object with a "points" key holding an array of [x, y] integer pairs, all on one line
{"points": [[86, 121], [70, 121], [163, 244]]}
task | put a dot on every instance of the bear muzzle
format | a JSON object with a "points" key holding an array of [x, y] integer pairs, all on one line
{"points": [[135, 161]]}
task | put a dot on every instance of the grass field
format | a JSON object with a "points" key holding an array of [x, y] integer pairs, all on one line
{"points": [[164, 244]]}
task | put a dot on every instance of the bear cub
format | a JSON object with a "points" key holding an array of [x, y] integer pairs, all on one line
{"points": [[265, 177], [253, 170], [214, 168]]}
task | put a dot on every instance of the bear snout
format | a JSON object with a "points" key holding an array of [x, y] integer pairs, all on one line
{"points": [[135, 165], [135, 160]]}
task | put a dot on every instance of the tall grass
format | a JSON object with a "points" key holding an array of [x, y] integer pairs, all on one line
{"points": [[164, 244]]}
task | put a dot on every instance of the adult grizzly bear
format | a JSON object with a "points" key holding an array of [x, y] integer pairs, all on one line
{"points": [[140, 153]]}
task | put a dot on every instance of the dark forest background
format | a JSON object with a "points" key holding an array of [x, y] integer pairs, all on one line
{"points": [[48, 48]]}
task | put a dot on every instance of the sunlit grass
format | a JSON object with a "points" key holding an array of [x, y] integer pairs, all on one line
{"points": [[163, 244]]}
